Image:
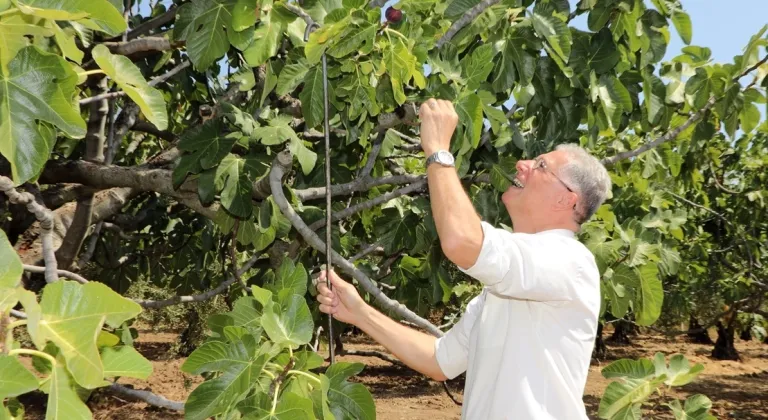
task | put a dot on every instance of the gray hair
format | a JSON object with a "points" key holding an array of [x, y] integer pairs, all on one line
{"points": [[588, 176]]}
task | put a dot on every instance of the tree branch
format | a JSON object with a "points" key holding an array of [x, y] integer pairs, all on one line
{"points": [[155, 304], [468, 17], [155, 43], [349, 211], [359, 184], [298, 11], [63, 273], [370, 249], [377, 3], [145, 396], [155, 23], [94, 152], [149, 128], [373, 353], [670, 135], [280, 166], [44, 217], [153, 82]]}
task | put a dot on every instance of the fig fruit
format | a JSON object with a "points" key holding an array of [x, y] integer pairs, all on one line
{"points": [[393, 15]]}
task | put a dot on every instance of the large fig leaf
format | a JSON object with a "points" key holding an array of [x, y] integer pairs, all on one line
{"points": [[203, 24], [128, 77], [71, 314], [125, 361], [15, 379], [38, 88], [10, 264], [289, 407], [63, 401], [241, 364], [101, 14], [288, 322], [696, 408], [14, 30], [349, 400]]}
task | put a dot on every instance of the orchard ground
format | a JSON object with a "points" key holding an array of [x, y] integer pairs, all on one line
{"points": [[737, 389]]}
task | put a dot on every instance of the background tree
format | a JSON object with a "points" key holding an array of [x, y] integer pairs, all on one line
{"points": [[181, 148]]}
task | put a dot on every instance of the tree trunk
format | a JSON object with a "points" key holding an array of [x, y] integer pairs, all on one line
{"points": [[746, 332], [697, 334], [621, 332], [724, 348], [599, 351]]}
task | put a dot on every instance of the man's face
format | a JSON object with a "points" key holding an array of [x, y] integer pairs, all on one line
{"points": [[539, 190]]}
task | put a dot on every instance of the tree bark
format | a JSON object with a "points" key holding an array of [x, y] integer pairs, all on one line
{"points": [[724, 347], [94, 152], [746, 332], [600, 350], [696, 333], [621, 331]]}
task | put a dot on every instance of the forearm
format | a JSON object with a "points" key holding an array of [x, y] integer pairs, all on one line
{"points": [[414, 348], [457, 222]]}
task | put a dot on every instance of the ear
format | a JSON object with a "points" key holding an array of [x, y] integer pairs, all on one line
{"points": [[566, 201]]}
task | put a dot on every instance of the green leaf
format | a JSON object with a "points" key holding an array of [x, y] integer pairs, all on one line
{"points": [[38, 87], [266, 37], [614, 97], [244, 14], [470, 111], [654, 93], [696, 408], [347, 399], [291, 77], [312, 100], [307, 158], [203, 25], [63, 401], [236, 193], [622, 399], [603, 54], [66, 43], [289, 407], [628, 368], [556, 32], [290, 277], [10, 264], [247, 313], [15, 379], [750, 117], [354, 39], [679, 372], [682, 23], [650, 295], [240, 363], [401, 65], [125, 361], [101, 12], [289, 322], [71, 316], [14, 30], [128, 77], [599, 15], [477, 66]]}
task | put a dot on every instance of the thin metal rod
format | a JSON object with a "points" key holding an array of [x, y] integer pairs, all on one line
{"points": [[328, 214]]}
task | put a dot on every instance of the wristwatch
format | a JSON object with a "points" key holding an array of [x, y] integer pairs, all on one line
{"points": [[442, 157]]}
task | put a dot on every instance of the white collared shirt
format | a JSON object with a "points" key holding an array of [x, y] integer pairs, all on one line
{"points": [[526, 340]]}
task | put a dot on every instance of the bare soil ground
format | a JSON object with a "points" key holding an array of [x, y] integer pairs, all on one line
{"points": [[739, 390]]}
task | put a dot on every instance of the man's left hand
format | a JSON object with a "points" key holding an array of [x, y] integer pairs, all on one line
{"points": [[438, 122]]}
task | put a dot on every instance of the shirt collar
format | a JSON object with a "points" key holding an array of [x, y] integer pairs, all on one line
{"points": [[561, 232]]}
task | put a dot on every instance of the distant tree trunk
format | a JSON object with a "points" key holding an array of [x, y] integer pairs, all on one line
{"points": [[599, 351], [746, 332], [724, 348], [697, 334], [190, 337], [621, 332]]}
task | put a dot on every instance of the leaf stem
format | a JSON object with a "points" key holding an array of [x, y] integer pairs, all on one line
{"points": [[33, 353], [274, 399], [298, 372], [270, 374], [396, 33], [10, 11], [90, 72]]}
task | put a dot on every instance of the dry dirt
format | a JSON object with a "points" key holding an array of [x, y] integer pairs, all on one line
{"points": [[739, 390]]}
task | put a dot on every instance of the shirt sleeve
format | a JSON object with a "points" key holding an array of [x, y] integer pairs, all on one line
{"points": [[452, 349], [524, 266]]}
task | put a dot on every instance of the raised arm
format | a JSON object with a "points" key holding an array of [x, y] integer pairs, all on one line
{"points": [[457, 222]]}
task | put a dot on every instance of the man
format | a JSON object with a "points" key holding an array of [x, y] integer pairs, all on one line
{"points": [[526, 341]]}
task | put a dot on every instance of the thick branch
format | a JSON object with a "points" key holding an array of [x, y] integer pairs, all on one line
{"points": [[63, 273], [146, 396], [349, 211], [468, 17], [45, 219], [670, 135], [60, 194], [357, 185], [94, 152], [149, 128], [154, 43], [280, 166]]}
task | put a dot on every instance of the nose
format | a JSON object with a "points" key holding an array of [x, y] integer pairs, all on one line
{"points": [[524, 167]]}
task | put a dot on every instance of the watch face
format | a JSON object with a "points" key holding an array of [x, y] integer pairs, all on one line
{"points": [[445, 157]]}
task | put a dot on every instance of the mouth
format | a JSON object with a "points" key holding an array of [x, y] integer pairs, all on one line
{"points": [[516, 182]]}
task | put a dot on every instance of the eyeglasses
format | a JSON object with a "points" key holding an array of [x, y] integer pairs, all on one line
{"points": [[540, 163]]}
